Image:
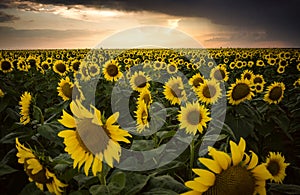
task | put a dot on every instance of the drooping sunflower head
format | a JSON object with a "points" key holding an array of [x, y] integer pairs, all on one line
{"points": [[145, 96], [95, 138], [139, 81], [25, 103], [276, 165], [65, 88], [111, 70], [142, 117], [209, 92], [274, 93], [297, 83], [193, 117], [6, 66], [60, 67], [219, 73], [196, 80], [240, 91], [174, 90], [36, 171], [236, 174]]}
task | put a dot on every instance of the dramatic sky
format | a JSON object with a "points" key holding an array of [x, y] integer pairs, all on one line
{"points": [[39, 24]]}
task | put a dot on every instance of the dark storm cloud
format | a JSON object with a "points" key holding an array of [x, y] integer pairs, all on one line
{"points": [[7, 17], [278, 18]]}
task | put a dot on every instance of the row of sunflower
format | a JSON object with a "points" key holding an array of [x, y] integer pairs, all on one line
{"points": [[69, 119]]}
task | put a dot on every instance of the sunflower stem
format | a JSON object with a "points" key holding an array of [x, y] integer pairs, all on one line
{"points": [[192, 152], [102, 178]]}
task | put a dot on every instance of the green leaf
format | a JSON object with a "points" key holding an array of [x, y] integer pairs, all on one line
{"points": [[37, 113], [165, 182], [135, 182], [5, 169], [160, 191], [4, 102], [47, 132], [142, 145], [99, 189], [285, 188], [116, 183], [31, 189], [214, 137], [11, 137]]}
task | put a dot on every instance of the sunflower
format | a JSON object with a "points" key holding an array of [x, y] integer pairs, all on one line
{"points": [[139, 81], [280, 69], [274, 93], [209, 92], [37, 172], [174, 90], [272, 61], [92, 141], [232, 65], [298, 66], [233, 175], [45, 65], [6, 66], [172, 68], [145, 96], [240, 91], [250, 64], [157, 65], [65, 88], [60, 67], [196, 80], [219, 73], [22, 65], [297, 83], [25, 102], [259, 88], [75, 65], [239, 64], [111, 70], [247, 74], [260, 63], [142, 117], [276, 166], [258, 79], [193, 117], [93, 69]]}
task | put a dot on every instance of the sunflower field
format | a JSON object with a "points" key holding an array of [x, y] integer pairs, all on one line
{"points": [[150, 121]]}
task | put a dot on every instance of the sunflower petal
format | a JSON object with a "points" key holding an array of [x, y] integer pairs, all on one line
{"points": [[196, 186], [254, 161], [211, 164]]}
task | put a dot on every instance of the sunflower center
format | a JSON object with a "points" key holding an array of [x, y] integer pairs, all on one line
{"points": [[39, 177], [209, 91], [258, 87], [92, 138], [235, 180], [112, 70], [273, 168], [257, 80], [176, 91], [61, 67], [67, 90], [93, 69], [172, 68], [240, 91], [247, 76], [5, 65], [140, 81], [275, 93], [219, 74], [45, 66], [194, 117], [197, 82]]}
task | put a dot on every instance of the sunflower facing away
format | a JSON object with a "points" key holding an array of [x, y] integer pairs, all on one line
{"points": [[25, 103], [174, 90], [240, 91], [193, 117], [274, 93], [276, 166], [235, 175], [209, 92], [142, 117], [65, 88], [92, 139], [111, 70], [37, 172]]}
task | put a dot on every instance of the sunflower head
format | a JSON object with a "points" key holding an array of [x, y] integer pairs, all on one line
{"points": [[60, 67], [111, 70], [65, 88], [196, 80], [209, 92], [1, 93], [274, 93], [240, 91], [139, 81], [25, 103], [247, 74], [276, 165], [6, 66], [219, 73], [174, 90]]}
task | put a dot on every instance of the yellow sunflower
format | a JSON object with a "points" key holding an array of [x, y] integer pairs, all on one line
{"points": [[274, 93], [259, 88], [22, 64], [139, 81], [247, 74], [174, 90], [60, 67], [6, 66], [1, 93], [280, 69], [196, 80], [25, 102], [111, 70], [75, 65], [232, 65], [193, 117], [209, 92], [235, 175], [37, 172], [65, 88], [260, 63], [219, 73], [142, 117], [297, 83], [145, 96], [94, 69], [276, 166], [240, 91], [93, 140], [258, 79], [172, 68]]}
